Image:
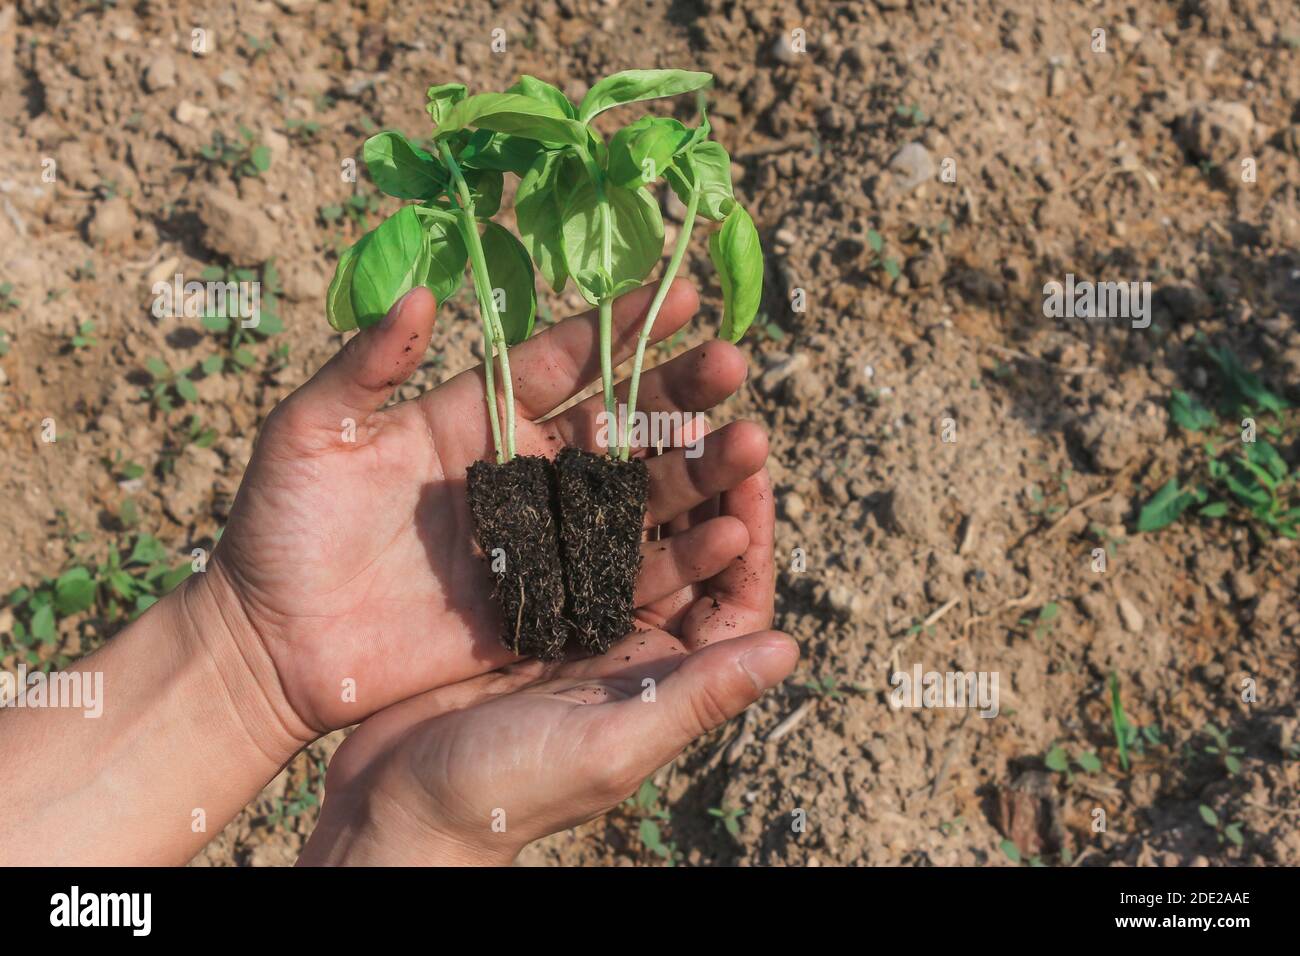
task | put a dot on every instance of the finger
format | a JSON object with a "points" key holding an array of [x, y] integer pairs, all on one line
{"points": [[674, 563], [699, 693], [552, 367], [679, 482], [361, 376], [692, 382], [741, 598]]}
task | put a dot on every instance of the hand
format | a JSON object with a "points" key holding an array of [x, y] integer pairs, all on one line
{"points": [[354, 561], [542, 747]]}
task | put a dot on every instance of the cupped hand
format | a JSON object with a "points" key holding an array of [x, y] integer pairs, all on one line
{"points": [[473, 772], [348, 573]]}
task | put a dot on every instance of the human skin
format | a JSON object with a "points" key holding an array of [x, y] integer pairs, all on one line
{"points": [[345, 582], [469, 774]]}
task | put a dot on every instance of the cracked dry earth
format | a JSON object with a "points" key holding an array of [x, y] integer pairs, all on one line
{"points": [[918, 171]]}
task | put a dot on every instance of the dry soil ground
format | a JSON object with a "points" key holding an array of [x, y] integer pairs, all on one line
{"points": [[949, 459]]}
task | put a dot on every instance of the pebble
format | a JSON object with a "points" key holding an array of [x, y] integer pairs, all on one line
{"points": [[913, 166], [160, 75], [188, 114], [1131, 616], [793, 506]]}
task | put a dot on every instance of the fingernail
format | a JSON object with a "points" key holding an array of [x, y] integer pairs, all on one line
{"points": [[395, 311], [767, 665]]}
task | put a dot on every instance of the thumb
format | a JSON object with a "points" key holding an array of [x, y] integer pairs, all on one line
{"points": [[706, 690], [359, 379]]}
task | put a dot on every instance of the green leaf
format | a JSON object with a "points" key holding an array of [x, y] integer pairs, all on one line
{"points": [[738, 257], [390, 264], [707, 164], [499, 151], [1216, 509], [510, 274], [1189, 413], [211, 365], [338, 298], [260, 157], [74, 591], [441, 99], [650, 834], [1208, 815], [632, 86], [185, 388], [157, 368], [446, 251], [1264, 455], [43, 624], [485, 187], [1243, 386], [1011, 850], [401, 169], [216, 323], [537, 216], [147, 550], [1165, 507], [1233, 832], [875, 240], [544, 92], [637, 237], [515, 114], [1057, 760], [1089, 762], [641, 152]]}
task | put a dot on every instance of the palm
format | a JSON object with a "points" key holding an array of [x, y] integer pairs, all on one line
{"points": [[356, 559]]}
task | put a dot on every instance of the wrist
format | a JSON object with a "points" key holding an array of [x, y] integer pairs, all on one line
{"points": [[367, 826], [208, 620]]}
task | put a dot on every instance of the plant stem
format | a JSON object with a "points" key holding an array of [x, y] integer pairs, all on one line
{"points": [[494, 339], [605, 304], [679, 253]]}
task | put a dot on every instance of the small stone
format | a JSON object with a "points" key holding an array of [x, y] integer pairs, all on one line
{"points": [[912, 166], [846, 603], [230, 80], [1131, 616], [113, 224], [1243, 585], [1219, 131], [160, 75], [1128, 34], [793, 506], [188, 114], [240, 232]]}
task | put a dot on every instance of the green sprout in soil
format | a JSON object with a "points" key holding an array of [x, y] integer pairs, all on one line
{"points": [[728, 818], [646, 804], [242, 154], [912, 113], [168, 385], [1044, 621], [1232, 832], [229, 326], [84, 337], [8, 302], [125, 584], [1222, 750], [302, 131], [1257, 485], [1059, 761], [876, 243]]}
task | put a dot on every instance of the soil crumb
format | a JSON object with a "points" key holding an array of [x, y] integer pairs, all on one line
{"points": [[513, 507], [602, 508]]}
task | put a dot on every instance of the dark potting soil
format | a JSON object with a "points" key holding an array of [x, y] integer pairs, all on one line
{"points": [[602, 506], [513, 505]]}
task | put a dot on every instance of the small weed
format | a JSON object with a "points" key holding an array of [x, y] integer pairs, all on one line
{"points": [[729, 818], [242, 155], [1231, 833]]}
